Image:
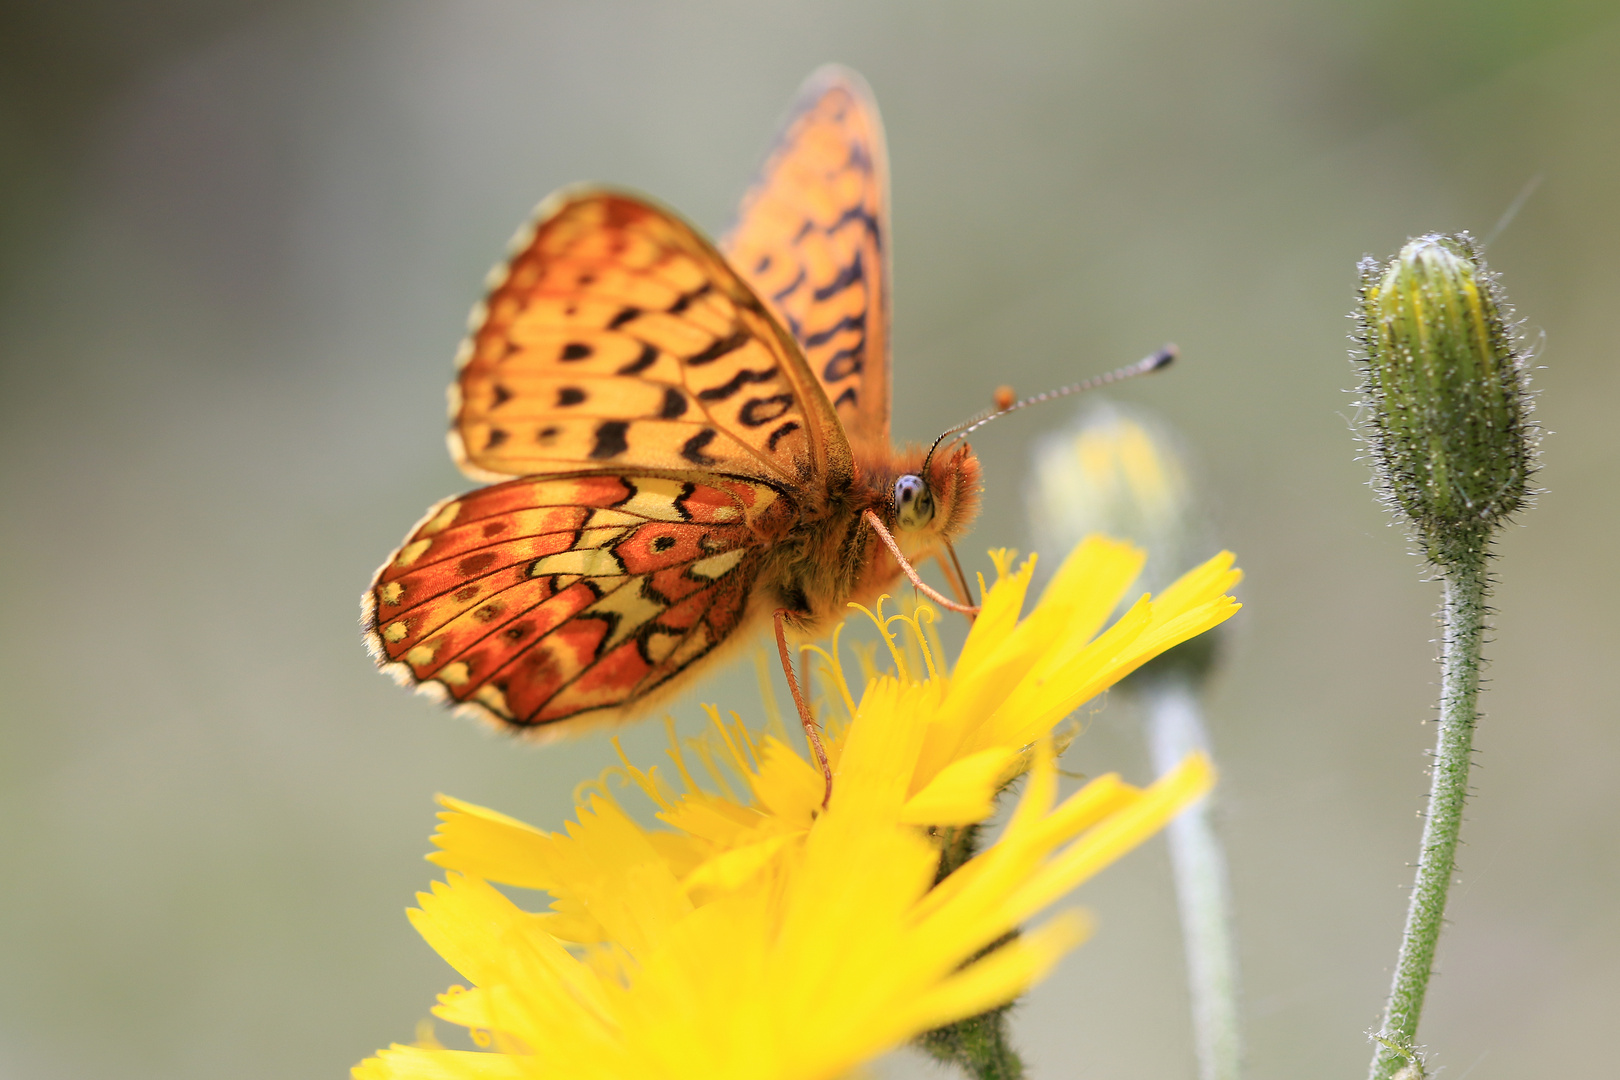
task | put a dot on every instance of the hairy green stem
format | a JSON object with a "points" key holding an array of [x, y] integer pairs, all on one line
{"points": [[1463, 624], [1176, 729], [979, 1045]]}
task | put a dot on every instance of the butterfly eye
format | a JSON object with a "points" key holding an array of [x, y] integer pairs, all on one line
{"points": [[913, 505]]}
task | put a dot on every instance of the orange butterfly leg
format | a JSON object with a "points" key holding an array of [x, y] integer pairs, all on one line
{"points": [[812, 733], [804, 673], [956, 575], [927, 590]]}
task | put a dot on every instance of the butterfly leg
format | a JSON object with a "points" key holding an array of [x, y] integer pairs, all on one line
{"points": [[804, 674], [911, 572], [812, 732], [956, 575]]}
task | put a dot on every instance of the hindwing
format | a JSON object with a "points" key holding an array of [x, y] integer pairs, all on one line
{"points": [[537, 600]]}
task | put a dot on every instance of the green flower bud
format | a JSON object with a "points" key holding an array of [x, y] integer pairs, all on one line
{"points": [[1445, 402]]}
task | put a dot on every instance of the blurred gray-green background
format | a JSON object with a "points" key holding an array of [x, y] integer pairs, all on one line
{"points": [[239, 243]]}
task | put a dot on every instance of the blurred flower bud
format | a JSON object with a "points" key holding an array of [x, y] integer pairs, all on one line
{"points": [[1445, 402], [1116, 472], [1119, 472]]}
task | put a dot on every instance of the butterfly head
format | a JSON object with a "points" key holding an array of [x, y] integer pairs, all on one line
{"points": [[939, 497]]}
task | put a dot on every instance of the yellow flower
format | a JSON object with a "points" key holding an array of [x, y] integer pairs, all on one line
{"points": [[965, 734], [841, 952], [759, 937]]}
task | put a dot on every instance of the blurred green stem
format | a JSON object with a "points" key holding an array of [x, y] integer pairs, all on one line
{"points": [[1463, 619], [1176, 729]]}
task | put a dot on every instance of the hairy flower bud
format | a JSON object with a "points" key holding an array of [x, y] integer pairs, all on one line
{"points": [[1445, 404]]}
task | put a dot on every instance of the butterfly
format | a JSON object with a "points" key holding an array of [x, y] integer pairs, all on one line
{"points": [[686, 442]]}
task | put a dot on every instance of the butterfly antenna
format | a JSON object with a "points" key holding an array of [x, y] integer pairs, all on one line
{"points": [[1145, 366]]}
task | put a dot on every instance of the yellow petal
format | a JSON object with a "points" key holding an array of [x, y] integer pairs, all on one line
{"points": [[1082, 594], [731, 869], [478, 931], [996, 619], [1000, 977], [415, 1063], [787, 785], [1115, 836], [488, 844], [963, 792], [713, 818]]}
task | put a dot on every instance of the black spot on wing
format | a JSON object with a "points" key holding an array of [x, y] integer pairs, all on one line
{"points": [[496, 437], [849, 275], [843, 364], [685, 299], [787, 290], [610, 440], [760, 411], [641, 363], [688, 489], [569, 395], [624, 316], [735, 383], [868, 223], [692, 450], [674, 404], [720, 348], [776, 436], [575, 350], [848, 322]]}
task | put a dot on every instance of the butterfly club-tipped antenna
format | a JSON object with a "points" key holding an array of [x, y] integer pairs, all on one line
{"points": [[1004, 405], [1157, 361]]}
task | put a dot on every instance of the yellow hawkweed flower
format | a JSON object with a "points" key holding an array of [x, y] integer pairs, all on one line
{"points": [[839, 953], [966, 733], [759, 937]]}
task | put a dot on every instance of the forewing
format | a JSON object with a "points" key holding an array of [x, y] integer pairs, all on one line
{"points": [[537, 600], [617, 337], [813, 240]]}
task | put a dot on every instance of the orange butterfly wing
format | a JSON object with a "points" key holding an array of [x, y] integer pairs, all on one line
{"points": [[615, 337], [539, 599], [813, 240], [669, 430]]}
